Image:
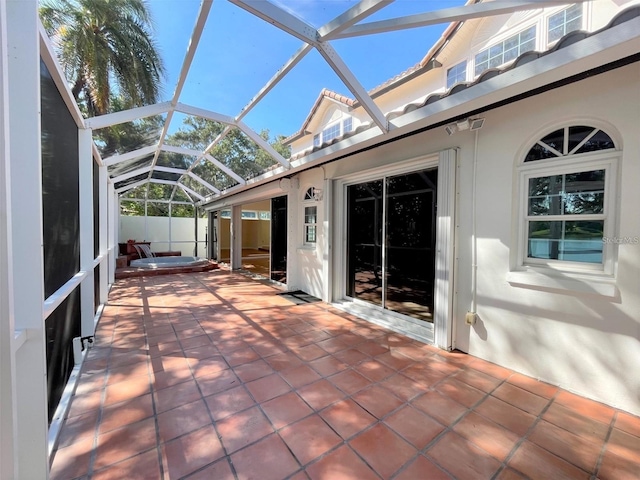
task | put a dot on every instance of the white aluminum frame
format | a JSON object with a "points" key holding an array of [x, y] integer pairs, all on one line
{"points": [[440, 332]]}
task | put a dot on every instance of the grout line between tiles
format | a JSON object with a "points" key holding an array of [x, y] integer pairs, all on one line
{"points": [[605, 444]]}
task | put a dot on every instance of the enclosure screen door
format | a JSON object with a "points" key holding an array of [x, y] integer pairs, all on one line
{"points": [[279, 239], [391, 238]]}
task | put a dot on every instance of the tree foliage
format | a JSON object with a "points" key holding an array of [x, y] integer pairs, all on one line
{"points": [[105, 48], [235, 150]]}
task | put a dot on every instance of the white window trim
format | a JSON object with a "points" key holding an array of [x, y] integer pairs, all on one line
{"points": [[308, 202], [305, 224], [553, 275]]}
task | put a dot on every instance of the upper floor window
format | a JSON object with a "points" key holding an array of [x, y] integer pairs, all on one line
{"points": [[506, 50], [457, 73], [566, 199], [563, 22], [347, 125], [334, 130], [331, 132]]}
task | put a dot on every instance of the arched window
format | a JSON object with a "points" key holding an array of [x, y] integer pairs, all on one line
{"points": [[566, 182], [310, 217]]}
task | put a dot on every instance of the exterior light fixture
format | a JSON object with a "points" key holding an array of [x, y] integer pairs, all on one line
{"points": [[466, 124], [317, 194]]}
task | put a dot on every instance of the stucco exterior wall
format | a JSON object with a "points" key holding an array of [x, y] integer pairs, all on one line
{"points": [[587, 343]]}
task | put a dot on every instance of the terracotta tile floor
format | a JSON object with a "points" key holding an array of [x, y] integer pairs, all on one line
{"points": [[215, 376]]}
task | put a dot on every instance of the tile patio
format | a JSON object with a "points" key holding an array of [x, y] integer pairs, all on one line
{"points": [[215, 376]]}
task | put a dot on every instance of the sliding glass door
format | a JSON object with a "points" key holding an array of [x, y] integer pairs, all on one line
{"points": [[391, 235]]}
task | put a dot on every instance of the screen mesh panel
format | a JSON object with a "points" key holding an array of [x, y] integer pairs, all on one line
{"points": [[60, 203], [60, 329]]}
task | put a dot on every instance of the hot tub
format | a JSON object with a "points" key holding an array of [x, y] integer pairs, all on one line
{"points": [[168, 262]]}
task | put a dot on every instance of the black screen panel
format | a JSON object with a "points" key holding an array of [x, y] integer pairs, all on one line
{"points": [[96, 288], [60, 329], [96, 209], [60, 193]]}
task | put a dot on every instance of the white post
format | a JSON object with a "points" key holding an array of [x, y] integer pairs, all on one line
{"points": [[104, 234], [170, 227], [113, 213], [445, 242], [236, 237], [23, 43], [8, 403], [327, 236], [85, 187]]}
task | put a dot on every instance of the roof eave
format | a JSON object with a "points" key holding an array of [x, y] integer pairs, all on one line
{"points": [[598, 50]]}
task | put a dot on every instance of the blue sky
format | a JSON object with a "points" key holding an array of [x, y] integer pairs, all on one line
{"points": [[239, 53]]}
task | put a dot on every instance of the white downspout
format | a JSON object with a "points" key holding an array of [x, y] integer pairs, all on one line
{"points": [[471, 316]]}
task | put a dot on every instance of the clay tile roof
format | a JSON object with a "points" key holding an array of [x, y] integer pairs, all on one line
{"points": [[568, 39], [325, 93]]}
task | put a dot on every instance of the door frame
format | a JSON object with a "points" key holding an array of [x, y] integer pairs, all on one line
{"points": [[440, 331]]}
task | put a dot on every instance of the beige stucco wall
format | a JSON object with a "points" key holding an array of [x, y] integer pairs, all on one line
{"points": [[586, 343]]}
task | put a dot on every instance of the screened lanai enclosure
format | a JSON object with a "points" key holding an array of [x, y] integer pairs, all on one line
{"points": [[404, 199]]}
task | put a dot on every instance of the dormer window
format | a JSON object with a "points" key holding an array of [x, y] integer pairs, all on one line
{"points": [[347, 125], [563, 22], [505, 51], [332, 131], [456, 74]]}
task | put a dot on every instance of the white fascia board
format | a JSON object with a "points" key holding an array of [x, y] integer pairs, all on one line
{"points": [[131, 186], [262, 192], [50, 59], [447, 15], [133, 173], [188, 191], [141, 152], [203, 182], [126, 116], [352, 16], [263, 144], [280, 18], [352, 83], [225, 169], [203, 113], [180, 150], [159, 168], [286, 68]]}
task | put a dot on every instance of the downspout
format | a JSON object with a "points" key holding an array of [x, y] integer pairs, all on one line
{"points": [[471, 316]]}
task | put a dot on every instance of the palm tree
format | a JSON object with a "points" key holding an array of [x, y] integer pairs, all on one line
{"points": [[105, 42]]}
